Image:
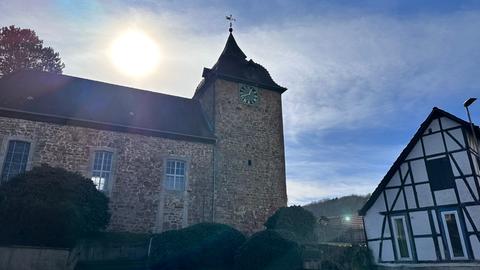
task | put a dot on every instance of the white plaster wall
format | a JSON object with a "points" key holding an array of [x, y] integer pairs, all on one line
{"points": [[475, 247], [433, 144], [387, 251], [420, 223], [463, 162], [373, 220], [395, 180], [445, 196], [474, 212], [448, 123], [374, 247], [425, 249], [434, 126], [451, 144], [410, 197], [391, 194], [416, 151], [419, 171], [400, 203], [426, 197], [463, 191]]}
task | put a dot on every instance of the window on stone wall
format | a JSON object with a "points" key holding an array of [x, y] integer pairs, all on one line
{"points": [[102, 169], [16, 159], [175, 175]]}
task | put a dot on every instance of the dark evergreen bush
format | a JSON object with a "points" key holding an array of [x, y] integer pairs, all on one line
{"points": [[268, 250], [199, 246], [50, 207], [294, 219], [341, 257]]}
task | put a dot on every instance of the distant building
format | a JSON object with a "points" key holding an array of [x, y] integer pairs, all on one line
{"points": [[345, 229], [166, 162], [426, 210]]}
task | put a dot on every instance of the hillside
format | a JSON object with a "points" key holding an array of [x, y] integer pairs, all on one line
{"points": [[348, 205]]}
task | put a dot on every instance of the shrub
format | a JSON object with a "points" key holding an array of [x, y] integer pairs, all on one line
{"points": [[357, 258], [295, 219], [200, 245], [341, 257], [50, 207], [268, 250]]}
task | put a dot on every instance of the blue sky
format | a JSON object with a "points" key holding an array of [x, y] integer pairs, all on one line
{"points": [[362, 75]]}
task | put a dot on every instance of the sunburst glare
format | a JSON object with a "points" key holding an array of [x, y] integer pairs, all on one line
{"points": [[134, 53]]}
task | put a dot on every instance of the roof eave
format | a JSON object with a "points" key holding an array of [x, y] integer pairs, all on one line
{"points": [[209, 74], [55, 119]]}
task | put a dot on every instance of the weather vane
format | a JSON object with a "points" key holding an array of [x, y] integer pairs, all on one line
{"points": [[231, 20]]}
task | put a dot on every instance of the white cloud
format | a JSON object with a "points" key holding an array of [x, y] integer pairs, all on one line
{"points": [[349, 72]]}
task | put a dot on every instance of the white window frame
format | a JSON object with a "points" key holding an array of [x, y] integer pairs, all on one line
{"points": [[447, 234], [407, 237], [108, 186], [175, 175], [4, 149]]}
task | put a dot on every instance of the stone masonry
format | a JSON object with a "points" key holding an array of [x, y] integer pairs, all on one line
{"points": [[137, 197]]}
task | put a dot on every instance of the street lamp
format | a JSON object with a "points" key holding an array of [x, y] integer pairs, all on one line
{"points": [[466, 104]]}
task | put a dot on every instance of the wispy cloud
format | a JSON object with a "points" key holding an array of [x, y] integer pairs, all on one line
{"points": [[360, 77]]}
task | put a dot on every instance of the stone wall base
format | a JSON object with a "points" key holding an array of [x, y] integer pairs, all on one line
{"points": [[35, 258]]}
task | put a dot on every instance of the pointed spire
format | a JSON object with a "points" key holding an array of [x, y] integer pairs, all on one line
{"points": [[232, 49]]}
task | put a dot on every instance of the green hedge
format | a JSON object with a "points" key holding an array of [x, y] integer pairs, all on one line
{"points": [[50, 207], [294, 219], [201, 246], [268, 250], [341, 257]]}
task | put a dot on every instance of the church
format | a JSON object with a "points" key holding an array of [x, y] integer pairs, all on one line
{"points": [[426, 210], [165, 162]]}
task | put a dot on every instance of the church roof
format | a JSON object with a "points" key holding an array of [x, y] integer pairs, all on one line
{"points": [[49, 97], [436, 113], [233, 65]]}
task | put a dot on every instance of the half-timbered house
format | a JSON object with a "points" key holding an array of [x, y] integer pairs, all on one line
{"points": [[426, 210]]}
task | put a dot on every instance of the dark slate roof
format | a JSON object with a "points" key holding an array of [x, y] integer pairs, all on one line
{"points": [[233, 65], [436, 113], [62, 99]]}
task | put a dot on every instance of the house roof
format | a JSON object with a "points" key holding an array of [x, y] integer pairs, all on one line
{"points": [[233, 65], [62, 99], [436, 113]]}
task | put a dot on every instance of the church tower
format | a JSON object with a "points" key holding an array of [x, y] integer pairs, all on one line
{"points": [[243, 107]]}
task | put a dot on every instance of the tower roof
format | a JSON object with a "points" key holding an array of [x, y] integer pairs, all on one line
{"points": [[232, 49], [233, 65]]}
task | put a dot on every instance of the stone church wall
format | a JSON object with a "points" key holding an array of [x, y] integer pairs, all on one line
{"points": [[248, 193], [138, 200]]}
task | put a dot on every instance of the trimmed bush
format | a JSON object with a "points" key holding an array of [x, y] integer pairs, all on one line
{"points": [[50, 207], [268, 250], [294, 219], [198, 246], [341, 257]]}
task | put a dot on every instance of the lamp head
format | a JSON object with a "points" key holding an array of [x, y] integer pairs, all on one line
{"points": [[469, 102]]}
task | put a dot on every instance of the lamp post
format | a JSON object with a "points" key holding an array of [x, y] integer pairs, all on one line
{"points": [[466, 104]]}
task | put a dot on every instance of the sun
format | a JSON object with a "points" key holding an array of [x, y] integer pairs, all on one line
{"points": [[134, 53]]}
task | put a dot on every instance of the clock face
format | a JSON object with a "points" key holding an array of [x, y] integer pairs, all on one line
{"points": [[248, 94]]}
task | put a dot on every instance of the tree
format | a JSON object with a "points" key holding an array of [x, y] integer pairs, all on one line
{"points": [[294, 219], [22, 49], [50, 207], [268, 250]]}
